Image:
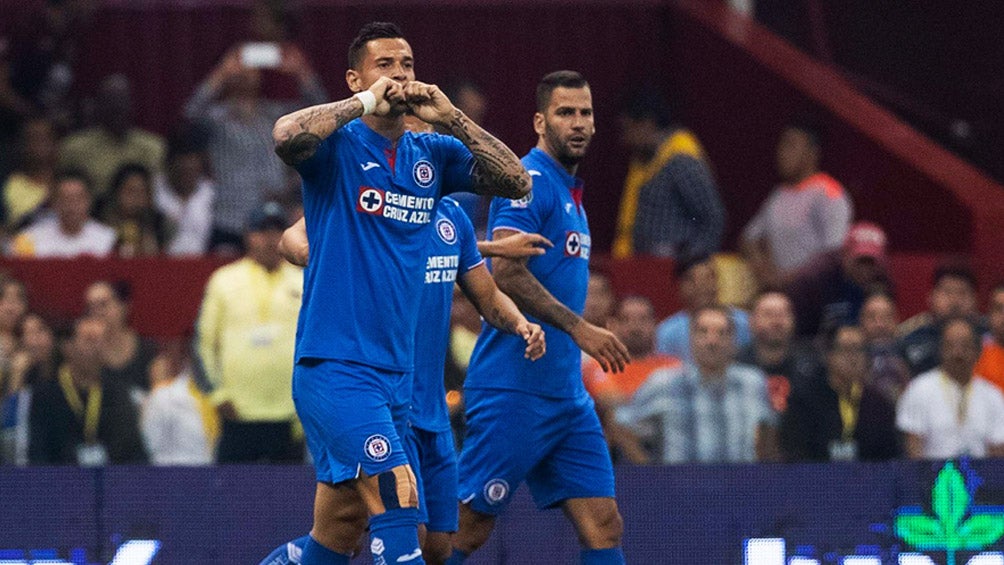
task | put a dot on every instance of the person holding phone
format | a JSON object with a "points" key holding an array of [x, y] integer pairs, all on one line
{"points": [[229, 102]]}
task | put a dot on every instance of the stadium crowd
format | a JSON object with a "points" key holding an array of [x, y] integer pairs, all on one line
{"points": [[814, 365]]}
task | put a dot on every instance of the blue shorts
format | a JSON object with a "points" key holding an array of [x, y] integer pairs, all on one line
{"points": [[351, 414], [555, 444], [433, 458]]}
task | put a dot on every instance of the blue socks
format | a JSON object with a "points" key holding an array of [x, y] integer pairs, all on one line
{"points": [[457, 558], [316, 554], [612, 556], [289, 553], [394, 537]]}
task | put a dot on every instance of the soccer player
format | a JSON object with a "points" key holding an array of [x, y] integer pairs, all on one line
{"points": [[535, 421], [370, 191], [452, 256]]}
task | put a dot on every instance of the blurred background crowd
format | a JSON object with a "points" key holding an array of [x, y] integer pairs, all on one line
{"points": [[785, 341]]}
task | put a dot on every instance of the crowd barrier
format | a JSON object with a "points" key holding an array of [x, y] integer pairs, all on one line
{"points": [[768, 514]]}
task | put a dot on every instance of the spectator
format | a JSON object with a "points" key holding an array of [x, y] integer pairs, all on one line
{"points": [[600, 300], [130, 212], [786, 362], [179, 423], [809, 213], [953, 294], [33, 363], [70, 231], [949, 411], [634, 325], [126, 355], [27, 189], [712, 411], [245, 342], [828, 292], [185, 196], [13, 307], [888, 370], [100, 151], [670, 206], [698, 282], [83, 417], [840, 416], [240, 140], [991, 363]]}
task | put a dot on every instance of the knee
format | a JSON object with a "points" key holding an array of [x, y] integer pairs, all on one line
{"points": [[603, 529], [475, 529], [390, 490]]}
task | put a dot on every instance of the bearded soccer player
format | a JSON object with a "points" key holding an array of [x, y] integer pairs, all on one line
{"points": [[535, 422], [370, 191]]}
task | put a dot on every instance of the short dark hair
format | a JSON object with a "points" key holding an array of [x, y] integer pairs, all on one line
{"points": [[683, 268], [955, 270], [724, 311], [646, 104], [564, 79], [121, 290], [977, 338], [131, 169], [71, 174], [369, 32], [809, 125], [831, 335]]}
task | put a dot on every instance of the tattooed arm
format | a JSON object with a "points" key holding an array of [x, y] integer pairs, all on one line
{"points": [[298, 134], [516, 280], [499, 310], [497, 170]]}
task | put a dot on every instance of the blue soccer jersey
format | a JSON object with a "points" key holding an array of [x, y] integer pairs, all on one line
{"points": [[369, 208], [552, 210], [452, 251]]}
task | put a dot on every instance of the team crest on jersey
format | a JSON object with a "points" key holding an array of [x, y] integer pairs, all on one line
{"points": [[377, 447], [496, 490], [447, 231], [371, 200], [577, 244], [522, 202], [424, 174]]}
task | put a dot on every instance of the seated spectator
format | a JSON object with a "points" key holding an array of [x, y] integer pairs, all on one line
{"points": [[828, 291], [139, 226], [33, 363], [889, 371], [179, 423], [953, 294], [230, 103], [13, 307], [634, 325], [950, 411], [698, 288], [840, 416], [83, 417], [991, 363], [69, 231], [126, 355], [27, 188], [101, 150], [600, 300], [785, 361], [712, 411], [670, 206], [809, 213], [185, 196]]}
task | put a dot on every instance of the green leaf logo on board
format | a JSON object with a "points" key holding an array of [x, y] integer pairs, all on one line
{"points": [[953, 527]]}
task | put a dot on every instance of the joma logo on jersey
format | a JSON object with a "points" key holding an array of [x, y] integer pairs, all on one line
{"points": [[578, 244], [400, 207]]}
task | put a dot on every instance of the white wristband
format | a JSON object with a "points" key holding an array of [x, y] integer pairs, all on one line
{"points": [[368, 100]]}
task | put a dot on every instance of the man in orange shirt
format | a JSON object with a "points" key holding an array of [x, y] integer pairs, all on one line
{"points": [[991, 363], [634, 324]]}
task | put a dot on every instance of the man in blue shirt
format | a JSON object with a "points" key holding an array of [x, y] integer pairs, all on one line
{"points": [[535, 421], [370, 191], [454, 255]]}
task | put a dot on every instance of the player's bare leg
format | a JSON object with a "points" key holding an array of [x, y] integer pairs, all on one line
{"points": [[599, 526], [339, 517], [474, 530], [437, 547]]}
